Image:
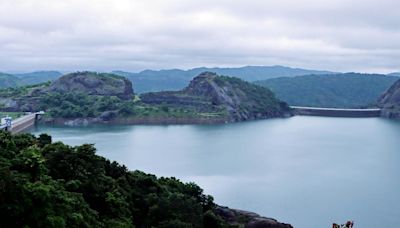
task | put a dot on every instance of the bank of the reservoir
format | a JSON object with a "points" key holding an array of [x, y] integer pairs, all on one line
{"points": [[210, 120]]}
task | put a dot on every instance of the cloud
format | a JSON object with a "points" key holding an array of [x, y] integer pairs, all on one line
{"points": [[360, 35]]}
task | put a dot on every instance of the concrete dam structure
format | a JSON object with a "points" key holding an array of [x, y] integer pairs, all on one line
{"points": [[22, 123], [336, 112]]}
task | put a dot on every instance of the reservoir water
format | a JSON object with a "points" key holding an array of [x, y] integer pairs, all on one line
{"points": [[306, 171]]}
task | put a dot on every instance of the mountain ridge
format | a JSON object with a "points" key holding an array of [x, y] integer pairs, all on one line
{"points": [[30, 78], [8, 80], [176, 79], [349, 90]]}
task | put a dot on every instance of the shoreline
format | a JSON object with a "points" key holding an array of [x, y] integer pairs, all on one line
{"points": [[131, 121], [74, 122], [147, 121]]}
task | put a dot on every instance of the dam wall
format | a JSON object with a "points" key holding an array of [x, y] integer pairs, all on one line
{"points": [[335, 112], [23, 123]]}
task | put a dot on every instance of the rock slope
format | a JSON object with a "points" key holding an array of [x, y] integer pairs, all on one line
{"points": [[249, 219], [81, 84], [241, 100], [97, 97], [390, 101], [93, 84]]}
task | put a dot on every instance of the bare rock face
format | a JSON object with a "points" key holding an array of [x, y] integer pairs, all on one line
{"points": [[390, 102], [205, 85], [248, 219], [93, 84], [241, 100]]}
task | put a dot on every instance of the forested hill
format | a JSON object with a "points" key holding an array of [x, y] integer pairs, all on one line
{"points": [[176, 79], [45, 184], [90, 97], [348, 90], [209, 92]]}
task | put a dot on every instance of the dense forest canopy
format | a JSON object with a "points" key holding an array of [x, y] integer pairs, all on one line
{"points": [[45, 184]]}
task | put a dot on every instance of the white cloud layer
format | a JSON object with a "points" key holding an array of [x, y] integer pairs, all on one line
{"points": [[103, 35]]}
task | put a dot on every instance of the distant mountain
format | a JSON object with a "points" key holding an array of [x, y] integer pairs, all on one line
{"points": [[38, 77], [176, 79], [8, 80], [335, 90], [15, 80], [395, 74]]}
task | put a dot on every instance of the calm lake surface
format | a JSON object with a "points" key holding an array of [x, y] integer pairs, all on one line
{"points": [[307, 171]]}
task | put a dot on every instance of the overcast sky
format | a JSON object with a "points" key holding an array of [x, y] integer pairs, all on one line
{"points": [[132, 35]]}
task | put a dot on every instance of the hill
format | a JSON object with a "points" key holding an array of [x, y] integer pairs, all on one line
{"points": [[390, 101], [395, 74], [45, 184], [176, 79], [89, 97], [76, 95], [209, 92], [91, 83], [350, 90]]}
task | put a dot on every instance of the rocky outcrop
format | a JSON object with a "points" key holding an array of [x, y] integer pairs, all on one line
{"points": [[33, 98], [390, 102], [85, 97], [93, 84], [247, 219], [241, 100]]}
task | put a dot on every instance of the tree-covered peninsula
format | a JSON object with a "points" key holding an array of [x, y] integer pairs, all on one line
{"points": [[46, 184], [88, 97]]}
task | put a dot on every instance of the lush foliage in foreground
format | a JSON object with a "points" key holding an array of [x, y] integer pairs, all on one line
{"points": [[46, 184]]}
